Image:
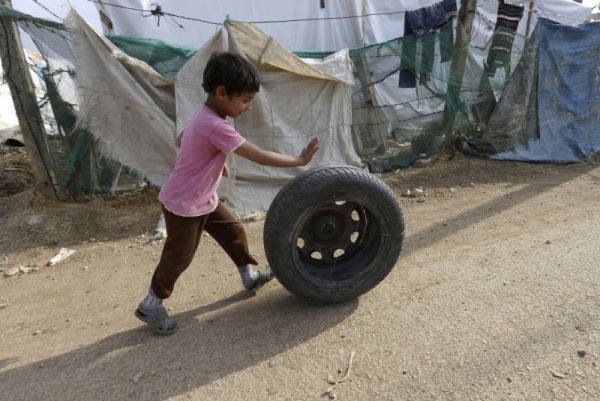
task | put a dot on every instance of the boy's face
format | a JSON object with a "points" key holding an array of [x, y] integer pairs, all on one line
{"points": [[234, 106]]}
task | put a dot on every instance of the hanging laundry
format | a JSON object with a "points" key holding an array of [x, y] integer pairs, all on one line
{"points": [[509, 15], [500, 51], [446, 42], [429, 18], [408, 64], [420, 24]]}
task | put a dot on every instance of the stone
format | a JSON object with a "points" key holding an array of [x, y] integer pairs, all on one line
{"points": [[416, 192], [33, 220], [12, 271]]}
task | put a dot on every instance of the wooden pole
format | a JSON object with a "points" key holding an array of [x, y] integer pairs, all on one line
{"points": [[529, 12], [377, 131], [466, 16], [16, 73]]}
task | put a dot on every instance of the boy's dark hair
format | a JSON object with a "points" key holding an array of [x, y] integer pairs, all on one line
{"points": [[232, 71]]}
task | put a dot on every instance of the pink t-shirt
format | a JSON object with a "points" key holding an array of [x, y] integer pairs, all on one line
{"points": [[191, 189]]}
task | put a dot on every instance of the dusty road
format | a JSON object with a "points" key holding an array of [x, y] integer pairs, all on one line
{"points": [[496, 297]]}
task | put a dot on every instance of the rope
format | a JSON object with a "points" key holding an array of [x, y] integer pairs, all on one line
{"points": [[47, 9], [158, 12]]}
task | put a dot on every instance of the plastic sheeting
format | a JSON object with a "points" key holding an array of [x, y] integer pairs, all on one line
{"points": [[130, 108], [8, 117], [566, 12], [306, 25], [127, 106], [514, 120], [549, 111], [297, 101]]}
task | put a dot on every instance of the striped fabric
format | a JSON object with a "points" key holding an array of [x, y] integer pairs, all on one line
{"points": [[507, 22], [500, 50], [509, 15]]}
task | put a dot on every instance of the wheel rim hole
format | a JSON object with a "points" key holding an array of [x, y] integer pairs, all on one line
{"points": [[338, 253], [300, 243], [316, 255], [354, 237], [340, 203], [355, 216]]}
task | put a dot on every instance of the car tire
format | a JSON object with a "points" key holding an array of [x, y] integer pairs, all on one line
{"points": [[333, 233]]}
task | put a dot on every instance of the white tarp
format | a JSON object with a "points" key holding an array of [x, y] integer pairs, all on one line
{"points": [[297, 101], [328, 28], [567, 12], [9, 124], [306, 25], [8, 117], [124, 103]]}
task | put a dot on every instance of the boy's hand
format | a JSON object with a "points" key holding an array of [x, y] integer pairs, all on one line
{"points": [[309, 151]]}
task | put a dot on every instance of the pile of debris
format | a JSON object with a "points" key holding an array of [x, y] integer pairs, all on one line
{"points": [[15, 170]]}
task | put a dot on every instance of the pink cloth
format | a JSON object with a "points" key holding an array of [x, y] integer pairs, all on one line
{"points": [[191, 189]]}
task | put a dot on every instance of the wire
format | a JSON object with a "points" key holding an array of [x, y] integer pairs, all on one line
{"points": [[327, 18], [103, 3], [157, 12], [47, 9]]}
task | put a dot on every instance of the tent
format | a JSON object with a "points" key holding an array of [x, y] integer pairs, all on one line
{"points": [[327, 25], [135, 113], [134, 94]]}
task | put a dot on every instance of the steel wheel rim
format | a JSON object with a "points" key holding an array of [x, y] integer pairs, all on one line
{"points": [[336, 241]]}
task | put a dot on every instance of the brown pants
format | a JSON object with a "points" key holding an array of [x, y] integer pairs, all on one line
{"points": [[183, 237]]}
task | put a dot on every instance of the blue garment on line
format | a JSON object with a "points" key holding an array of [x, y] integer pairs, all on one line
{"points": [[425, 19], [419, 23]]}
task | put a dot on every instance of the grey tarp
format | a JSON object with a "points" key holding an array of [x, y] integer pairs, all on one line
{"points": [[549, 111]]}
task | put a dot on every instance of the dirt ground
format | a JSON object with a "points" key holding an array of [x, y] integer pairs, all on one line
{"points": [[496, 296]]}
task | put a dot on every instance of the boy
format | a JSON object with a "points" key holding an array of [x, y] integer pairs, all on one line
{"points": [[189, 196]]}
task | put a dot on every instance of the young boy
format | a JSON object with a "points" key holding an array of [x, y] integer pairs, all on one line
{"points": [[189, 196]]}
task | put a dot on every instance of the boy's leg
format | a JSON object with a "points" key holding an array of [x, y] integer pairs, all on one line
{"points": [[226, 229], [183, 237]]}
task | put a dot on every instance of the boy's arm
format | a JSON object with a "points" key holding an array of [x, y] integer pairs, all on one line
{"points": [[252, 152]]}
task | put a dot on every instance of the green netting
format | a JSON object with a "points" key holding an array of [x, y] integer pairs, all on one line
{"points": [[165, 58], [14, 15], [411, 94]]}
